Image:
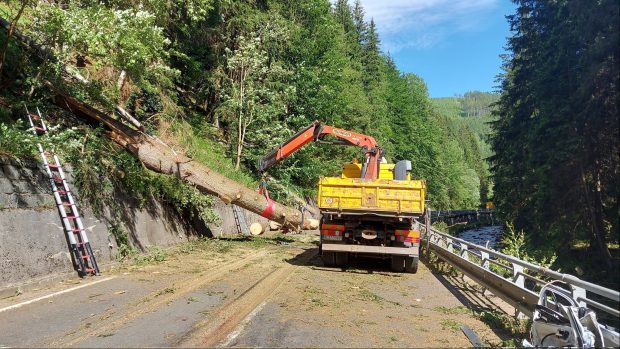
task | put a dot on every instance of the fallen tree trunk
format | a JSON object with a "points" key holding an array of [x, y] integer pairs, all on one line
{"points": [[313, 211], [159, 157]]}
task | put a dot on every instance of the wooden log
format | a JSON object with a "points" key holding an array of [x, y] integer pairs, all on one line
{"points": [[311, 224], [257, 228], [274, 225], [159, 157]]}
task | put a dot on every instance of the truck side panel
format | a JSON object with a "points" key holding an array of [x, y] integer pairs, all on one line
{"points": [[383, 195]]}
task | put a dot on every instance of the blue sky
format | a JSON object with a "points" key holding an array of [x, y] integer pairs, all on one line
{"points": [[454, 45]]}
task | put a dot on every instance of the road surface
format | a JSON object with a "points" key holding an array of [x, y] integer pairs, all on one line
{"points": [[267, 292]]}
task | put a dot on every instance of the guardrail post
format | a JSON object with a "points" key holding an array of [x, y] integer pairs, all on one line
{"points": [[519, 280], [427, 225], [450, 248], [517, 275], [484, 256], [464, 253], [579, 293]]}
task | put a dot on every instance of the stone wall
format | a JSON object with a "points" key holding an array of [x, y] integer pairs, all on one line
{"points": [[32, 240]]}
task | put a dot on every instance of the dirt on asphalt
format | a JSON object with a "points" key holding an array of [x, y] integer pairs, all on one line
{"points": [[265, 292]]}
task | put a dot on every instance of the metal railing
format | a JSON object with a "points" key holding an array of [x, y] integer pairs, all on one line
{"points": [[512, 279]]}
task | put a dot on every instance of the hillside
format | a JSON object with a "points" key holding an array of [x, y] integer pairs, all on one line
{"points": [[212, 80], [466, 119]]}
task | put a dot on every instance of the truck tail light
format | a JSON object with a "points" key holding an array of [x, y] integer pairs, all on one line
{"points": [[331, 235], [334, 227], [407, 235]]}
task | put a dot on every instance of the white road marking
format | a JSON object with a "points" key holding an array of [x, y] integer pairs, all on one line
{"points": [[234, 334], [14, 306]]}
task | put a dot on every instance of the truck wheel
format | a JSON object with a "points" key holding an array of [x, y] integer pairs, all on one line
{"points": [[342, 259], [411, 264], [398, 263], [329, 259]]}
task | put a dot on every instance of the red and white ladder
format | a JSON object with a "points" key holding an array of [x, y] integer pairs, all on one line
{"points": [[81, 250]]}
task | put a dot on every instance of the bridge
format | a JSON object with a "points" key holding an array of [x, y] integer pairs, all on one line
{"points": [[461, 216]]}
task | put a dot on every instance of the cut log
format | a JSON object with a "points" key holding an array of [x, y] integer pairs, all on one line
{"points": [[311, 224], [258, 228], [274, 225]]}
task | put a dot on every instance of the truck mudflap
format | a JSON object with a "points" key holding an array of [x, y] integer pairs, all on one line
{"points": [[400, 251]]}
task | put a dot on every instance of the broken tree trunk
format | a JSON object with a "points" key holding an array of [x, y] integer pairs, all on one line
{"points": [[159, 157]]}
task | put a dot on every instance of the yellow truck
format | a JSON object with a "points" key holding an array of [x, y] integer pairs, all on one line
{"points": [[374, 218], [371, 209]]}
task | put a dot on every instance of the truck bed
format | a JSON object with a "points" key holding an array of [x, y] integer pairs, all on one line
{"points": [[357, 195]]}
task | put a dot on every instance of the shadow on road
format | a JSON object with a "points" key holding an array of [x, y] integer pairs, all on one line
{"points": [[357, 264]]}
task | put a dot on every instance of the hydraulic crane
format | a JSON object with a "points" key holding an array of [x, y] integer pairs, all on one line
{"points": [[370, 209], [316, 132]]}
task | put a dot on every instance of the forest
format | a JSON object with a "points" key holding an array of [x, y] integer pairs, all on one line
{"points": [[555, 138], [225, 81], [241, 77]]}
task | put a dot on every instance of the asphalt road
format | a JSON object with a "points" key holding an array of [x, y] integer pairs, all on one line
{"points": [[261, 293]]}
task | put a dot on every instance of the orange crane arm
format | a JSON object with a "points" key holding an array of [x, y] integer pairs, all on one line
{"points": [[315, 132]]}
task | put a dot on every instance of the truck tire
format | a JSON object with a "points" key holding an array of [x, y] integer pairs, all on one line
{"points": [[342, 259], [411, 264], [328, 258], [398, 264]]}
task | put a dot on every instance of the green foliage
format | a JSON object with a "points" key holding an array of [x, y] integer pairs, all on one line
{"points": [[126, 39], [514, 244], [155, 254], [125, 250], [15, 141], [450, 324], [477, 104], [441, 226], [255, 91], [513, 327], [102, 171], [469, 173], [202, 147], [448, 106], [143, 103]]}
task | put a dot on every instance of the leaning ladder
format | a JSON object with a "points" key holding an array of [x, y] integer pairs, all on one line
{"points": [[242, 226], [72, 223]]}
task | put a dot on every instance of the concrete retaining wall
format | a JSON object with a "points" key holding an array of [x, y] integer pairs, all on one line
{"points": [[32, 241]]}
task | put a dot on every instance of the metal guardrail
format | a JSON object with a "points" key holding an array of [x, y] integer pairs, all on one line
{"points": [[514, 280]]}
